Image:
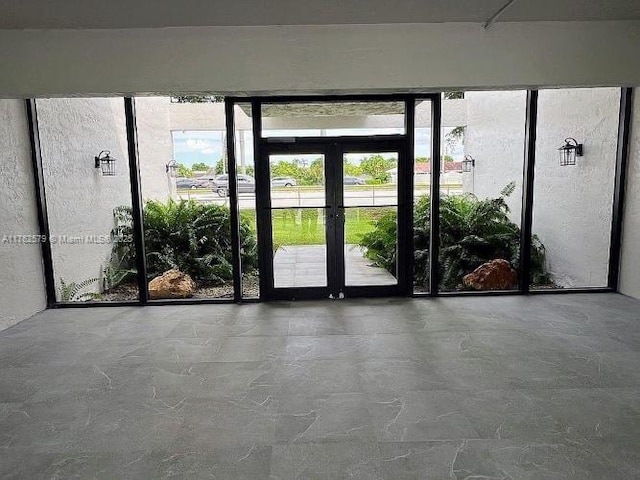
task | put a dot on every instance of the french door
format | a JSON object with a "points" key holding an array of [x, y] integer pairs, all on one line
{"points": [[325, 196]]}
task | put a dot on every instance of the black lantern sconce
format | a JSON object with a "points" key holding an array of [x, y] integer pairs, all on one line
{"points": [[569, 151], [106, 163], [468, 163], [172, 168]]}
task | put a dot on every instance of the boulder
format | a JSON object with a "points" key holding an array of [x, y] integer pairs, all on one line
{"points": [[494, 275], [172, 284]]}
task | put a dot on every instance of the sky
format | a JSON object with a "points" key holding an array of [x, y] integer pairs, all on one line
{"points": [[197, 146]]}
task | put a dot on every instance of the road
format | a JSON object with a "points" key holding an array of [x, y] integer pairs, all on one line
{"points": [[304, 197]]}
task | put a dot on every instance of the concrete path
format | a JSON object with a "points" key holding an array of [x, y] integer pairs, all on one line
{"points": [[305, 266]]}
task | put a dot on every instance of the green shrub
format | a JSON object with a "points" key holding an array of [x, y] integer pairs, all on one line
{"points": [[472, 232], [194, 238]]}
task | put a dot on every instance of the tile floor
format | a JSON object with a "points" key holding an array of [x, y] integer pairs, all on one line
{"points": [[539, 387]]}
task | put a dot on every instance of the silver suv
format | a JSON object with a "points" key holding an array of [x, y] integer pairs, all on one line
{"points": [[246, 184]]}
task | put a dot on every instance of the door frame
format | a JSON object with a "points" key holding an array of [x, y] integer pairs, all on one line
{"points": [[333, 149]]}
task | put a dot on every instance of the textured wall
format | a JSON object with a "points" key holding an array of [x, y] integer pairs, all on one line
{"points": [[573, 204], [495, 138], [80, 201], [318, 58], [630, 271], [155, 146], [21, 276]]}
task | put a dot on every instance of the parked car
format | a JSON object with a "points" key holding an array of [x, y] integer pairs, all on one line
{"points": [[246, 184], [352, 181], [191, 183], [283, 182]]}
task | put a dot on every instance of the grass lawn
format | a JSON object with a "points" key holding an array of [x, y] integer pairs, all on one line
{"points": [[306, 226]]}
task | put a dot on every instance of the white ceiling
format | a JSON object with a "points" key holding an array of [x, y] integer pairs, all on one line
{"points": [[20, 14]]}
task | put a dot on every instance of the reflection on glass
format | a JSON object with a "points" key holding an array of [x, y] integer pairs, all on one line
{"points": [[318, 119], [572, 204], [299, 247], [480, 206], [89, 213], [370, 246]]}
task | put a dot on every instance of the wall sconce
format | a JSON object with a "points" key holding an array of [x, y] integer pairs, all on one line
{"points": [[569, 151], [468, 163], [172, 168], [106, 163]]}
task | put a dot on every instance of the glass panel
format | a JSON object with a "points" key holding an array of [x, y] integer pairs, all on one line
{"points": [[245, 168], [319, 119], [370, 179], [421, 195], [183, 167], [299, 238], [481, 190], [370, 193], [89, 208], [370, 246], [299, 247], [572, 203], [297, 180]]}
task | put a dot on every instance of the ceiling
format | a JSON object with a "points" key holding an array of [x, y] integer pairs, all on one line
{"points": [[23, 14]]}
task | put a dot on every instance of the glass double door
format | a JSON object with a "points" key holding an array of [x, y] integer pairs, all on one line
{"points": [[329, 203]]}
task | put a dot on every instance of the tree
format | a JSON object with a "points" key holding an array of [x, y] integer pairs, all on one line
{"points": [[184, 171], [200, 167], [376, 167], [351, 169], [220, 167]]}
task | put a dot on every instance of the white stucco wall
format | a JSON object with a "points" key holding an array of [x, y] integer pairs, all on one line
{"points": [[495, 138], [318, 58], [155, 146], [22, 291], [573, 204], [630, 260], [80, 200]]}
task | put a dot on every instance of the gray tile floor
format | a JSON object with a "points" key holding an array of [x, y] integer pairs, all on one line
{"points": [[541, 387]]}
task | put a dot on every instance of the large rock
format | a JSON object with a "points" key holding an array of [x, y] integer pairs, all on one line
{"points": [[172, 284], [494, 275]]}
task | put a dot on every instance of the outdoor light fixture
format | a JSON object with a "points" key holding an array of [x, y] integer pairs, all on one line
{"points": [[569, 151], [172, 168], [468, 163], [106, 163]]}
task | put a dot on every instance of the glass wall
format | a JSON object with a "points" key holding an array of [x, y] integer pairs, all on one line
{"points": [[184, 183], [245, 169], [481, 190], [324, 119], [572, 204], [421, 195], [88, 200]]}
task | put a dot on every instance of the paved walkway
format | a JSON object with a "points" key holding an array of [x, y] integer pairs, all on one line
{"points": [[305, 266]]}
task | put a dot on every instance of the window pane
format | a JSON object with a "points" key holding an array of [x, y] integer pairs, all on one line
{"points": [[245, 168], [299, 247], [182, 155], [573, 204], [373, 227], [481, 190], [421, 195], [320, 119], [89, 208]]}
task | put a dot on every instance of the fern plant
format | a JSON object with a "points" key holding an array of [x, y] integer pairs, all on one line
{"points": [[76, 292], [192, 237], [472, 232]]}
